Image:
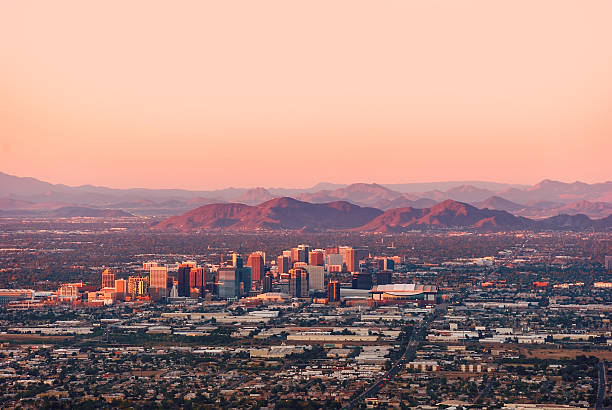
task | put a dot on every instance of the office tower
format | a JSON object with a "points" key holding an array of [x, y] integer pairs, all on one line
{"points": [[316, 277], [138, 286], [267, 282], [256, 262], [183, 276], [200, 281], [149, 265], [233, 282], [316, 258], [237, 261], [333, 291], [306, 250], [108, 279], [298, 282], [158, 282], [331, 251], [384, 278], [349, 258], [246, 280], [389, 264], [334, 259], [608, 262], [227, 282], [283, 264], [120, 288], [298, 255], [362, 280]]}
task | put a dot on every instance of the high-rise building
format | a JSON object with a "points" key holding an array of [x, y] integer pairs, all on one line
{"points": [[197, 281], [316, 277], [148, 265], [316, 258], [298, 282], [233, 282], [184, 276], [384, 277], [389, 264], [120, 288], [227, 282], [362, 280], [237, 261], [267, 283], [246, 280], [283, 264], [333, 291], [306, 249], [349, 258], [108, 279], [298, 255], [158, 282], [256, 262], [138, 286], [334, 259], [608, 262]]}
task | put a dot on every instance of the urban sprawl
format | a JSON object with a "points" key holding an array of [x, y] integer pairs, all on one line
{"points": [[430, 320]]}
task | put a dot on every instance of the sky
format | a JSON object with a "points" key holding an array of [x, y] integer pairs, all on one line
{"points": [[199, 95]]}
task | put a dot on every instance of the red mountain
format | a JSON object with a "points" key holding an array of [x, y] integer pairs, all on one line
{"points": [[279, 213], [447, 214]]}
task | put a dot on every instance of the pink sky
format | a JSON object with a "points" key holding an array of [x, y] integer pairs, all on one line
{"points": [[282, 93]]}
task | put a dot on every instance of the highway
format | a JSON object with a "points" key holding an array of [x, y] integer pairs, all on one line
{"points": [[601, 388], [408, 355]]}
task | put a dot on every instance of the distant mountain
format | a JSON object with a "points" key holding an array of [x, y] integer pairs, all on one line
{"points": [[361, 194], [417, 187], [574, 222], [545, 209], [447, 214], [500, 204], [591, 209], [549, 190], [278, 213], [29, 196], [9, 203], [254, 196], [468, 193], [79, 211]]}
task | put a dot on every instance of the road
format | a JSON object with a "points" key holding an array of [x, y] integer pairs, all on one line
{"points": [[408, 355], [601, 388]]}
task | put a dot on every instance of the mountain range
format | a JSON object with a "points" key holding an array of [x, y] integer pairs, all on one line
{"points": [[548, 198], [291, 214]]}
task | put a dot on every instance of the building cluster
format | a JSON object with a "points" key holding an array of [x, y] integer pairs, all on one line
{"points": [[300, 272], [523, 321]]}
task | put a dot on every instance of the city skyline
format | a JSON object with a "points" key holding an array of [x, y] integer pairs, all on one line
{"points": [[400, 92]]}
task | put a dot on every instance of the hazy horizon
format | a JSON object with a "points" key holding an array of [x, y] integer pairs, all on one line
{"points": [[204, 188], [209, 95]]}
